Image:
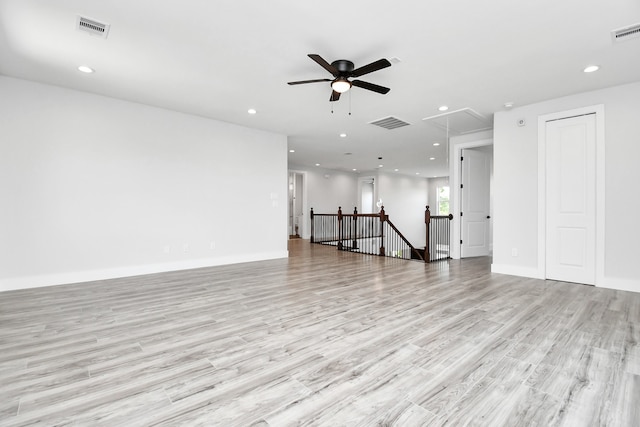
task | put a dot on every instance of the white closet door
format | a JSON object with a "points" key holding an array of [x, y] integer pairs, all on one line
{"points": [[571, 199], [476, 173]]}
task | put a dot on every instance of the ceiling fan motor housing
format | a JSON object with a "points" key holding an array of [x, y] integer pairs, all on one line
{"points": [[343, 66]]}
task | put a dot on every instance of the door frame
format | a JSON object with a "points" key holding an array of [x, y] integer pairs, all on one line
{"points": [[598, 110], [305, 233], [455, 179], [467, 152]]}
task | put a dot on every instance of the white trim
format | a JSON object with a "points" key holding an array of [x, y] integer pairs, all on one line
{"points": [[514, 270], [306, 226], [114, 273], [620, 284], [598, 110], [454, 189]]}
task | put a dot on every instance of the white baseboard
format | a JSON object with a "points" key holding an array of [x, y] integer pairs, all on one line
{"points": [[514, 270], [619, 284], [606, 282], [27, 282]]}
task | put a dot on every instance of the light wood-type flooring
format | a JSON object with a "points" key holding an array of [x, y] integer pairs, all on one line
{"points": [[324, 338]]}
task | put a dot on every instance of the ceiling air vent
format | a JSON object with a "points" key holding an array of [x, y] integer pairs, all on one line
{"points": [[626, 33], [389, 123], [92, 26]]}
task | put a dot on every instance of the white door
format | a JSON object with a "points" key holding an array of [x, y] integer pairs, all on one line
{"points": [[476, 172], [570, 199]]}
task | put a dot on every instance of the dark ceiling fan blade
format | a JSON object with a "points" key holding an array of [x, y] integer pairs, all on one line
{"points": [[309, 81], [370, 86], [334, 96], [370, 68], [324, 64]]}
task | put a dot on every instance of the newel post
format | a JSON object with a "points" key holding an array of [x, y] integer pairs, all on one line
{"points": [[312, 227], [355, 228], [383, 218], [427, 221], [340, 228]]}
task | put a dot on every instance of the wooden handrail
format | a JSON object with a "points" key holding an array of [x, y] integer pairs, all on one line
{"points": [[362, 233], [346, 231], [404, 239]]}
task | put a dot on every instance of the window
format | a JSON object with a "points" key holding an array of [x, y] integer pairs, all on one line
{"points": [[443, 200]]}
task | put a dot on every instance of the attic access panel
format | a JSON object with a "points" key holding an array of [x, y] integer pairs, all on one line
{"points": [[460, 122]]}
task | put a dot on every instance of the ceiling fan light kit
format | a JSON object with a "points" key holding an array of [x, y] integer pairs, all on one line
{"points": [[342, 70], [341, 85]]}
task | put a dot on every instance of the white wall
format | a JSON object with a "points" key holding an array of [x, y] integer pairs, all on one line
{"points": [[327, 189], [516, 180], [404, 198], [94, 187]]}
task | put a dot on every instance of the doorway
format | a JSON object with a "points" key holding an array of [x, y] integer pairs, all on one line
{"points": [[455, 180], [475, 196], [367, 196], [296, 205]]}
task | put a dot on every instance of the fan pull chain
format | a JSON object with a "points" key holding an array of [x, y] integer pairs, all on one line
{"points": [[350, 102]]}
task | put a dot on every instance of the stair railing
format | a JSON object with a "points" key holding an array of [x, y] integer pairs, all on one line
{"points": [[438, 236], [372, 234]]}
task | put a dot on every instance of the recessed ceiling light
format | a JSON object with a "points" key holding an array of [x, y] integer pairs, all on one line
{"points": [[417, 173], [380, 166], [343, 135], [591, 69], [252, 111], [443, 108], [292, 151], [86, 69], [508, 105], [354, 170], [435, 144], [396, 170], [317, 164], [432, 158]]}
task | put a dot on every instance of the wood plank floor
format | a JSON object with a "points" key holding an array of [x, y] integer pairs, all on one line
{"points": [[324, 338]]}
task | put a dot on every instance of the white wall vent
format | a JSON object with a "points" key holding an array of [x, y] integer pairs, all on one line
{"points": [[626, 33], [389, 123], [92, 26]]}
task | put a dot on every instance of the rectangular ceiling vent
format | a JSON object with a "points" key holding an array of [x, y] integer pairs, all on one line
{"points": [[92, 27], [389, 123], [626, 33]]}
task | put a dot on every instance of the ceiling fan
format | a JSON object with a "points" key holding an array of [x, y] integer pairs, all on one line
{"points": [[342, 70]]}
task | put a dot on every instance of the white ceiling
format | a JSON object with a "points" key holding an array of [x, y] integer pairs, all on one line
{"points": [[219, 58]]}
